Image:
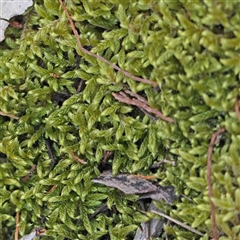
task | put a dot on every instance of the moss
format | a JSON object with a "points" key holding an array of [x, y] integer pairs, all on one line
{"points": [[190, 48]]}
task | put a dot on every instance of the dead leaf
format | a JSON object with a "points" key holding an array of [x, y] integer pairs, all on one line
{"points": [[152, 229], [132, 184], [162, 193], [129, 184]]}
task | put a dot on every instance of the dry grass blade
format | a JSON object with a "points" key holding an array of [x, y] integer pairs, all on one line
{"points": [[178, 222]]}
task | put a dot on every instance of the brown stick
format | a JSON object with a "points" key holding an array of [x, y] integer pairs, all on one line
{"points": [[17, 226], [79, 86], [140, 98], [122, 97], [236, 108], [8, 115], [214, 140], [29, 173], [78, 159], [52, 188], [144, 80]]}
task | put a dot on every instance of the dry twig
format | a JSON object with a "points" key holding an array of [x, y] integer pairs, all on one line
{"points": [[214, 140], [17, 226], [29, 173], [177, 222], [140, 98], [143, 80], [8, 115], [101, 209], [78, 159], [141, 103], [52, 188], [79, 86], [236, 107]]}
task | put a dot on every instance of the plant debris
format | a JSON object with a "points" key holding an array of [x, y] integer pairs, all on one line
{"points": [[132, 184], [36, 233], [162, 193], [140, 102], [153, 228], [77, 95]]}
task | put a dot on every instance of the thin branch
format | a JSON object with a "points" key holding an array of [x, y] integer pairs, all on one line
{"points": [[79, 86], [149, 115], [236, 108], [177, 222], [52, 188], [189, 199], [214, 140], [17, 226], [101, 209], [8, 115], [4, 19], [78, 159], [122, 97], [29, 173], [144, 80], [140, 98]]}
